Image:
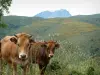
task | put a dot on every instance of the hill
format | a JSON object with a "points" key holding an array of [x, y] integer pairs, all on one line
{"points": [[59, 26], [57, 13], [15, 22], [78, 37], [93, 19], [79, 47]]}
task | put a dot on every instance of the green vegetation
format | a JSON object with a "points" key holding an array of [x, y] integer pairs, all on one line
{"points": [[93, 19], [58, 27], [79, 52], [15, 22]]}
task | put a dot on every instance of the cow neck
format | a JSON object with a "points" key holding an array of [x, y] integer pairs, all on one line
{"points": [[44, 56], [29, 47], [43, 53], [17, 49], [30, 52]]}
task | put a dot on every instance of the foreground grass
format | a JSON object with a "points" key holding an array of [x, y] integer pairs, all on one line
{"points": [[77, 55]]}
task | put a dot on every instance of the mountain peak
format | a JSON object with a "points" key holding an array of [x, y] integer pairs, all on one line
{"points": [[62, 10], [54, 14]]}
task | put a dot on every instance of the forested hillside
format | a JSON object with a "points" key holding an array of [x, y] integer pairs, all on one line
{"points": [[15, 22], [93, 19]]}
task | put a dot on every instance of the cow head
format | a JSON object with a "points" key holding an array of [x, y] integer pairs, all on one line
{"points": [[22, 40], [51, 46]]}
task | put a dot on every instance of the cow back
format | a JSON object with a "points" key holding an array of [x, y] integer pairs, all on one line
{"points": [[8, 49]]}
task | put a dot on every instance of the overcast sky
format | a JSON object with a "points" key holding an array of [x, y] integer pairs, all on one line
{"points": [[75, 7]]}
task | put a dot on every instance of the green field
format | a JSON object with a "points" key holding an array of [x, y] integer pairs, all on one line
{"points": [[79, 38]]}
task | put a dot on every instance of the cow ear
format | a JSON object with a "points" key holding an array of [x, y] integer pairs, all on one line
{"points": [[0, 46], [44, 45], [31, 41], [30, 36], [57, 45], [13, 39]]}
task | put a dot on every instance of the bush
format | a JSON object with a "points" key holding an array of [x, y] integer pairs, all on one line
{"points": [[54, 65], [90, 71], [75, 73]]}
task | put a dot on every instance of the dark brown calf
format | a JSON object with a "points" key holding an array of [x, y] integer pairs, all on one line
{"points": [[0, 49], [41, 52]]}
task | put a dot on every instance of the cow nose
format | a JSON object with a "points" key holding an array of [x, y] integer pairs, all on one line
{"points": [[23, 56], [50, 55]]}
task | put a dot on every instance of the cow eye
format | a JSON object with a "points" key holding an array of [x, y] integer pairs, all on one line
{"points": [[28, 44], [54, 48], [48, 48]]}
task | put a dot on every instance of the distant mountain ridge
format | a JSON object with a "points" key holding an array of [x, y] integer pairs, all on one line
{"points": [[15, 22], [55, 14]]}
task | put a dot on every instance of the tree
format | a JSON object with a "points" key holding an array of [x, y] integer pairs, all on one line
{"points": [[4, 6]]}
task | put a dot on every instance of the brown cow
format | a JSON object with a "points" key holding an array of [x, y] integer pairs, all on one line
{"points": [[0, 49], [41, 52], [14, 49]]}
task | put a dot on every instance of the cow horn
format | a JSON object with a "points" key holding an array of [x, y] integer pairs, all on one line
{"points": [[55, 41], [30, 36], [45, 42], [15, 35]]}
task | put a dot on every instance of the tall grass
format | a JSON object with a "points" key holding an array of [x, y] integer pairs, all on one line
{"points": [[72, 58]]}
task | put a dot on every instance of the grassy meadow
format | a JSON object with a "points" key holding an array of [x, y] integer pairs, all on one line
{"points": [[78, 36]]}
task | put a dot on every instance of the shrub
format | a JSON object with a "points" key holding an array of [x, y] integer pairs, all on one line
{"points": [[75, 73], [90, 71], [54, 65]]}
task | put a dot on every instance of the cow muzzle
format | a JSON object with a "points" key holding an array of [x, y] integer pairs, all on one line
{"points": [[22, 56], [51, 55]]}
